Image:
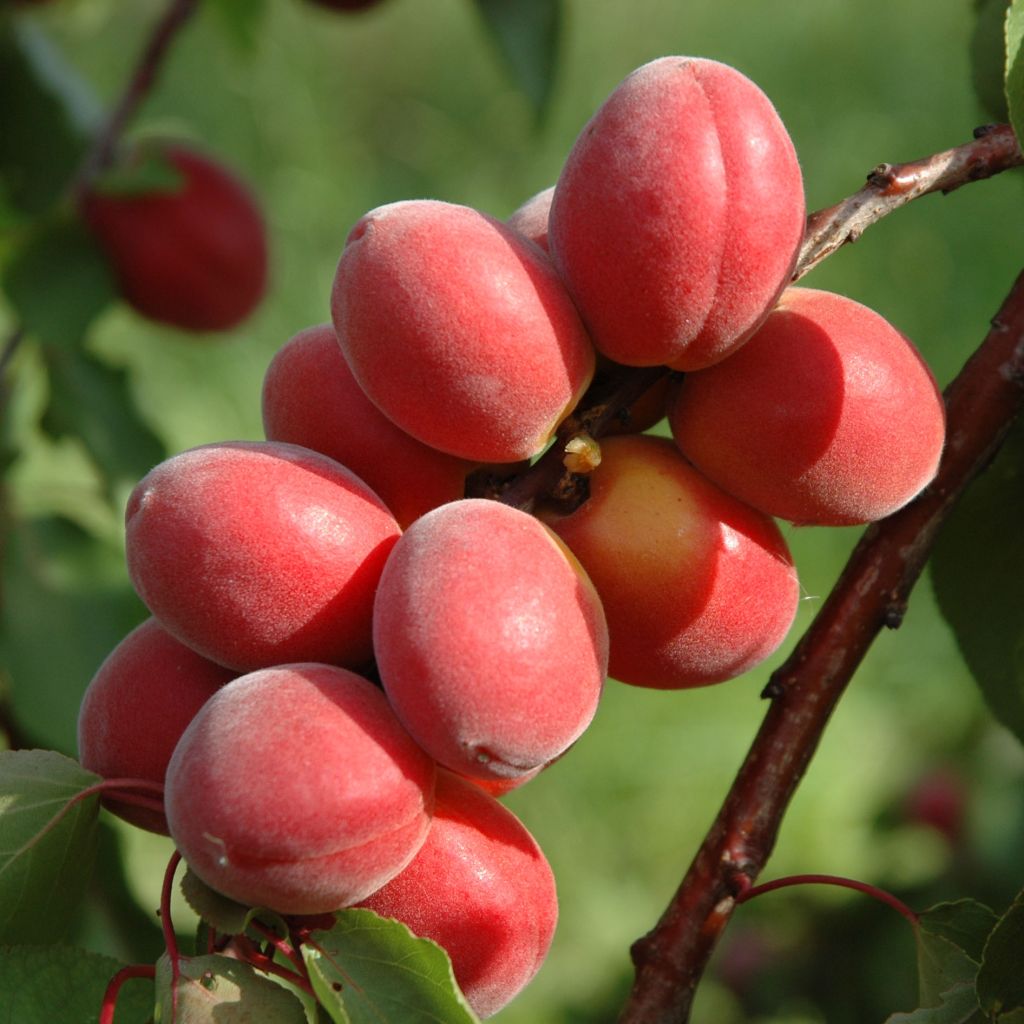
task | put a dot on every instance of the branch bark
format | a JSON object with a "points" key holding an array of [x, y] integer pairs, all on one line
{"points": [[871, 594], [890, 186]]}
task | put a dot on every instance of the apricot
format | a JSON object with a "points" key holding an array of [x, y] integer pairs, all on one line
{"points": [[295, 788], [491, 644], [459, 330], [531, 218], [194, 256], [697, 586], [827, 415], [257, 553], [677, 217], [310, 398], [136, 707], [481, 888]]}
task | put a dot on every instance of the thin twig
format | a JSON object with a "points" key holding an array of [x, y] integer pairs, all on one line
{"points": [[871, 594], [890, 186], [140, 84]]}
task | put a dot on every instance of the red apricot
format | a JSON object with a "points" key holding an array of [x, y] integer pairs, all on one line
{"points": [[531, 218], [697, 586], [256, 553], [678, 214], [310, 398], [136, 707], [295, 788], [827, 415], [195, 256], [491, 643], [481, 888], [459, 330]]}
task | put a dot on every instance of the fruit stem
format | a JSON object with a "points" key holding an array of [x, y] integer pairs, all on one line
{"points": [[747, 891], [285, 948], [170, 939], [153, 55], [113, 989], [262, 962]]}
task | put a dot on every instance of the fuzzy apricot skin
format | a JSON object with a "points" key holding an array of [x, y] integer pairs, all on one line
{"points": [[481, 888], [827, 416], [310, 398], [697, 587], [459, 330], [196, 257], [677, 217], [256, 553], [295, 788], [531, 218], [136, 707], [491, 644]]}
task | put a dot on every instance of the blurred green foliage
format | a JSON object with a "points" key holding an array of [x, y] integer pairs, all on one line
{"points": [[328, 116]]}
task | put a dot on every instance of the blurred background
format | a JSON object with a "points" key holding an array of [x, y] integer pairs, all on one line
{"points": [[914, 788]]}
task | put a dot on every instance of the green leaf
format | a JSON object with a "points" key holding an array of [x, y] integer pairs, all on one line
{"points": [[371, 970], [941, 967], [964, 923], [93, 402], [958, 1006], [222, 989], [527, 35], [59, 581], [1001, 977], [48, 835], [978, 572], [58, 282], [243, 21], [988, 57], [1015, 66], [111, 917], [47, 984], [227, 916], [148, 170], [46, 118], [224, 914]]}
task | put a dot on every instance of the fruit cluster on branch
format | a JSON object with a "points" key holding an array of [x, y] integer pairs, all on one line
{"points": [[355, 545]]}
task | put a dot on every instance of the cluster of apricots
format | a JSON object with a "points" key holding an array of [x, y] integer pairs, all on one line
{"points": [[334, 618]]}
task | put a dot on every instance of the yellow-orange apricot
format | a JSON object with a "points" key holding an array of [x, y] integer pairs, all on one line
{"points": [[697, 587]]}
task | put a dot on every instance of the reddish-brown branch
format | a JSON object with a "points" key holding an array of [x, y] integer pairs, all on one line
{"points": [[871, 594], [890, 186]]}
